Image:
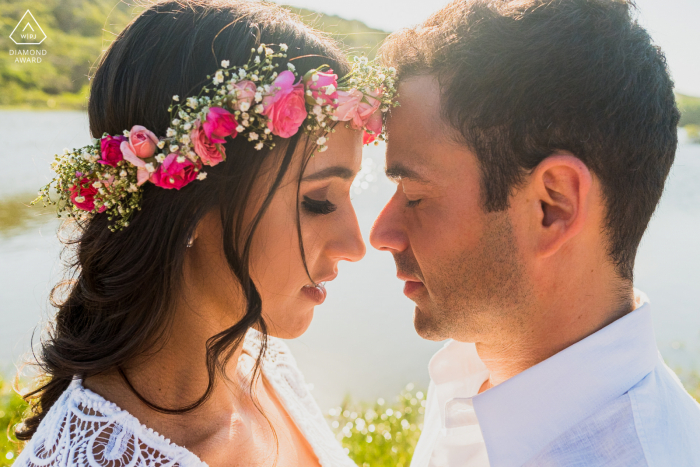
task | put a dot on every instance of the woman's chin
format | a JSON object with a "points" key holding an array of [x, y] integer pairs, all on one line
{"points": [[292, 328]]}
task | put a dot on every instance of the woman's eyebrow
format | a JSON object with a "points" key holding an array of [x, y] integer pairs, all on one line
{"points": [[329, 172]]}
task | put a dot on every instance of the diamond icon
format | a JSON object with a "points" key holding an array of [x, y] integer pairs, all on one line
{"points": [[28, 31]]}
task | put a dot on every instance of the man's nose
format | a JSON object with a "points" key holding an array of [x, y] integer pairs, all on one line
{"points": [[388, 232]]}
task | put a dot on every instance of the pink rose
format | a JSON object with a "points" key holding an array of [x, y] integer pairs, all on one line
{"points": [[365, 110], [174, 174], [372, 128], [286, 107], [320, 88], [111, 153], [210, 153], [244, 91], [83, 195], [219, 124], [348, 101], [142, 144]]}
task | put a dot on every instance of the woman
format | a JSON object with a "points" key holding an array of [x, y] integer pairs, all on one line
{"points": [[201, 230]]}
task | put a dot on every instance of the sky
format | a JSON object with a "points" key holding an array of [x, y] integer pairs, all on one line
{"points": [[673, 24]]}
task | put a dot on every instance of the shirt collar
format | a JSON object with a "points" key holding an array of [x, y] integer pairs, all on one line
{"points": [[520, 416]]}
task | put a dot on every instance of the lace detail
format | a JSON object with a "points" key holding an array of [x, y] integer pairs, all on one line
{"points": [[83, 429]]}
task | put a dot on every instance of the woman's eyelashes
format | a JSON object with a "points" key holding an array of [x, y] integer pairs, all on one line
{"points": [[314, 206], [411, 203]]}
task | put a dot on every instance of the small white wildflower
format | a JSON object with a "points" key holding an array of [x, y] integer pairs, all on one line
{"points": [[123, 173], [244, 106], [240, 128], [160, 158], [184, 139], [246, 123], [269, 51], [323, 149], [266, 87], [150, 167], [261, 48], [132, 188], [267, 131], [242, 73], [174, 147], [254, 77], [257, 59], [317, 110], [259, 146], [319, 100], [258, 97], [259, 108], [201, 176], [175, 122], [161, 144], [392, 70], [334, 118], [283, 47], [126, 133], [102, 191], [176, 98], [170, 133], [253, 136], [180, 159], [97, 184], [309, 93], [314, 77], [321, 141], [192, 102], [79, 199], [245, 116], [330, 89], [187, 126], [323, 124], [219, 77], [225, 63]]}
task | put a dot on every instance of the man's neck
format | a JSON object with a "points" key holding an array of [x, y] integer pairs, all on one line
{"points": [[557, 324]]}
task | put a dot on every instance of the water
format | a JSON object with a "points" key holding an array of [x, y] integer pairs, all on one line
{"points": [[362, 340]]}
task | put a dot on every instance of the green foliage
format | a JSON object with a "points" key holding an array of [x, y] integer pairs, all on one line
{"points": [[380, 435], [693, 132], [77, 31], [11, 409], [690, 110]]}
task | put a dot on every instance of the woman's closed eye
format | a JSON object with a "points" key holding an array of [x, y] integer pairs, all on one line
{"points": [[411, 203], [314, 206]]}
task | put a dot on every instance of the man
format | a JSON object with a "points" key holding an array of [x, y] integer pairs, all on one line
{"points": [[530, 149]]}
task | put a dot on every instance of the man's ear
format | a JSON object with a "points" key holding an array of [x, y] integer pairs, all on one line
{"points": [[561, 184]]}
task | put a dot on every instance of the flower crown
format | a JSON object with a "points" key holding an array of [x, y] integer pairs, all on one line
{"points": [[255, 102]]}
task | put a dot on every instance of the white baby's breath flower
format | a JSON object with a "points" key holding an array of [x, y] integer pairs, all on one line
{"points": [[170, 132], [258, 97], [102, 191], [161, 144], [174, 147], [323, 149], [176, 98], [267, 131], [254, 77], [187, 126], [317, 110], [259, 108], [150, 167], [201, 176], [330, 89], [321, 141], [97, 184], [257, 59], [176, 122], [240, 128], [192, 102], [309, 92], [79, 199], [132, 188], [319, 100], [259, 146], [261, 48], [180, 159], [244, 106], [126, 133], [269, 51], [218, 77], [225, 63], [283, 47], [242, 73], [253, 136], [123, 173], [184, 139]]}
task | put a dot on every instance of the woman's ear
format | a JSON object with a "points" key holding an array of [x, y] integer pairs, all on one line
{"points": [[561, 184]]}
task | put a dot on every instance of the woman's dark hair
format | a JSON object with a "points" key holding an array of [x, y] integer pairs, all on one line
{"points": [[120, 303], [521, 79]]}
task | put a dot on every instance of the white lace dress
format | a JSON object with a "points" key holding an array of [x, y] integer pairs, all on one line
{"points": [[83, 429]]}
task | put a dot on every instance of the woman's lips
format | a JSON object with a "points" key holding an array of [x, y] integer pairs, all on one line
{"points": [[316, 294], [411, 288]]}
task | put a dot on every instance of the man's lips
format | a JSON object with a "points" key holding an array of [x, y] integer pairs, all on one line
{"points": [[412, 285]]}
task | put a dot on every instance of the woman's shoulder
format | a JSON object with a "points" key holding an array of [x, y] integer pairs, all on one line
{"points": [[85, 430]]}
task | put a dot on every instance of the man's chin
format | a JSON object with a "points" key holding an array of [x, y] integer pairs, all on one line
{"points": [[426, 325]]}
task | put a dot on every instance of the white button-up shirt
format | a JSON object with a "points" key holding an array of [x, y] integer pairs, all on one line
{"points": [[607, 400]]}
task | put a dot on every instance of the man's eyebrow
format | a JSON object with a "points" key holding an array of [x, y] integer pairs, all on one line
{"points": [[398, 171], [330, 172]]}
